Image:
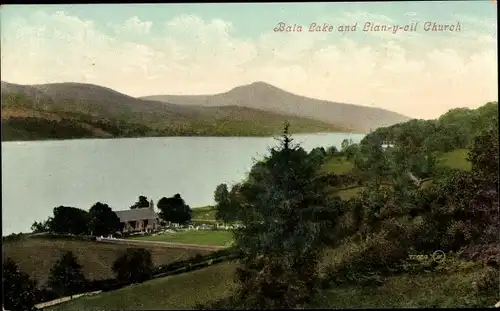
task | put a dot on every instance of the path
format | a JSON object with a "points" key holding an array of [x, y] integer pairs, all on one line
{"points": [[63, 299], [166, 244]]}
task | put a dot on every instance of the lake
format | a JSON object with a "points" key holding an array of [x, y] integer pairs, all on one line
{"points": [[40, 175]]}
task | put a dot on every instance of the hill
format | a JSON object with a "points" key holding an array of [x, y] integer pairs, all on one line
{"points": [[260, 95], [36, 256], [76, 110]]}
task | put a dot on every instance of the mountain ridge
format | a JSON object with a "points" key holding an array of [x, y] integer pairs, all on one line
{"points": [[77, 110], [262, 95]]}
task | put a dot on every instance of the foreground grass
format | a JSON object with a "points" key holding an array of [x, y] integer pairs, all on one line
{"points": [[202, 237], [184, 291], [37, 256], [181, 291], [407, 291]]}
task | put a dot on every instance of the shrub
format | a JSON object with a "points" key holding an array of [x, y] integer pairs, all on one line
{"points": [[375, 257], [134, 265], [14, 237], [19, 291]]}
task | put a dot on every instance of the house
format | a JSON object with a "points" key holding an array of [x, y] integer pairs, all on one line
{"points": [[138, 219]]}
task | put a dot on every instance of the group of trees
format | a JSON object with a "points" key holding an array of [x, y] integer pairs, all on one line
{"points": [[453, 130], [173, 209], [21, 293], [290, 218], [99, 220], [66, 278], [102, 220]]}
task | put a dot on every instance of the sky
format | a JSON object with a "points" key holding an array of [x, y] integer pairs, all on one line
{"points": [[187, 49]]}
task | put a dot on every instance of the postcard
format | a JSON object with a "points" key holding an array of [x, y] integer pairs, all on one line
{"points": [[249, 155]]}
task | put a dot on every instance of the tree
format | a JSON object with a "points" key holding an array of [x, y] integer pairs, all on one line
{"points": [[103, 220], [39, 227], [222, 202], [66, 277], [484, 154], [142, 202], [318, 155], [284, 227], [345, 144], [134, 265], [174, 209], [69, 220], [221, 194], [19, 291], [333, 151], [227, 203]]}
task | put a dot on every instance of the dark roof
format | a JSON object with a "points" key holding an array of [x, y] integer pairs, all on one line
{"points": [[136, 214]]}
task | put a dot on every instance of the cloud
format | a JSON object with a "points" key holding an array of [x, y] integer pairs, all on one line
{"points": [[410, 14], [190, 55], [132, 26]]}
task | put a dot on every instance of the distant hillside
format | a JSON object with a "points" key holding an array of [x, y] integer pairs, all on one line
{"points": [[456, 129], [76, 110], [260, 95]]}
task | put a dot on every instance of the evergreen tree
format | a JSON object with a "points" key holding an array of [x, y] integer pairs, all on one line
{"points": [[66, 277], [283, 234]]}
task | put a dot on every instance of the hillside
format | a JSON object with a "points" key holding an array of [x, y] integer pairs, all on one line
{"points": [[260, 95], [76, 110]]}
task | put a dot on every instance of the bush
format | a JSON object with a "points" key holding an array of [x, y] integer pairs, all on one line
{"points": [[486, 283], [19, 291], [486, 254], [45, 294], [14, 237], [133, 266], [376, 257]]}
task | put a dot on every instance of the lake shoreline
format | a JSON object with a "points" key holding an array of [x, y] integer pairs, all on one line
{"points": [[40, 175], [177, 136]]}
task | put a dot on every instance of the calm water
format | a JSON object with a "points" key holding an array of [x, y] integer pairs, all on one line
{"points": [[38, 176]]}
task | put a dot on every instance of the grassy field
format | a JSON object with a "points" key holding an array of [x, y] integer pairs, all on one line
{"points": [[456, 159], [337, 165], [173, 292], [349, 193], [203, 213], [406, 291], [186, 290], [37, 256], [202, 237], [453, 159]]}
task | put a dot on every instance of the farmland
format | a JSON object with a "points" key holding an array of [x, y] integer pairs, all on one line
{"points": [[36, 256], [216, 282], [173, 292], [202, 237]]}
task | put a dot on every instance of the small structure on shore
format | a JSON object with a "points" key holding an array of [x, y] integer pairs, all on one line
{"points": [[138, 219]]}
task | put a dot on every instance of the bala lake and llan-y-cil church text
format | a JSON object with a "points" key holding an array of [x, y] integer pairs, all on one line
{"points": [[428, 26]]}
